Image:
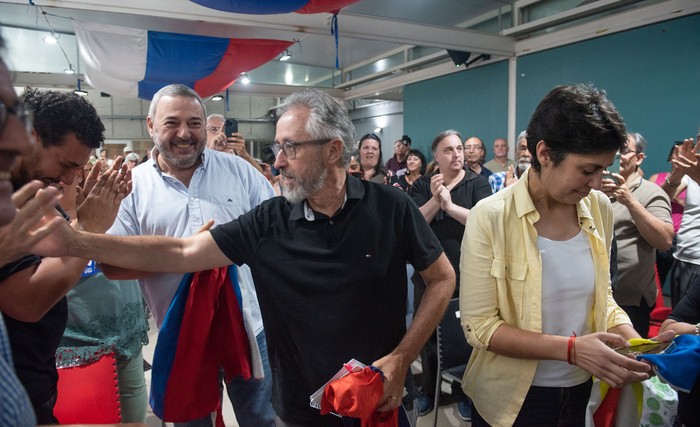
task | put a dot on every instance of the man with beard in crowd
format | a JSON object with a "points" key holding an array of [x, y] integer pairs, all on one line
{"points": [[326, 296], [176, 193]]}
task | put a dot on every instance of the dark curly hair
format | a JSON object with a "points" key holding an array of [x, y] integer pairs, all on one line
{"points": [[57, 114], [578, 119]]}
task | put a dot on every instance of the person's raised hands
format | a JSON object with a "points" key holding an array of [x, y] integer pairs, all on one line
{"points": [[36, 218]]}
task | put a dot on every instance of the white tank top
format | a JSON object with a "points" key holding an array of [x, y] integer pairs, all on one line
{"points": [[568, 288]]}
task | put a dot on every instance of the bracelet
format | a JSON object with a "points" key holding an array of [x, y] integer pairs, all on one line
{"points": [[668, 182], [697, 328], [571, 350]]}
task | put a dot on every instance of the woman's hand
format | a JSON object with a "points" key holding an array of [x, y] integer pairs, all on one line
{"points": [[594, 353]]}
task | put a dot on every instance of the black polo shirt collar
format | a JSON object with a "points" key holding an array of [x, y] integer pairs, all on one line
{"points": [[354, 190]]}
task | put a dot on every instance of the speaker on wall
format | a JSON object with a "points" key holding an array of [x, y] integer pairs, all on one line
{"points": [[458, 57]]}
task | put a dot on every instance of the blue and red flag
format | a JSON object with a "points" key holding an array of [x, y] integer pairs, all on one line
{"points": [[203, 332], [269, 7], [130, 62]]}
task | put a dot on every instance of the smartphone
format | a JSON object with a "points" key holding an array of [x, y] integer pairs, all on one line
{"points": [[615, 166], [230, 127]]}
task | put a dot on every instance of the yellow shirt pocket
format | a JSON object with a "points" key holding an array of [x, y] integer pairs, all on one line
{"points": [[510, 277]]}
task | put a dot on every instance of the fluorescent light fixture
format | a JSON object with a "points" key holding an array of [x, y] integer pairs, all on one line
{"points": [[79, 91], [286, 56], [217, 97], [51, 38], [377, 130]]}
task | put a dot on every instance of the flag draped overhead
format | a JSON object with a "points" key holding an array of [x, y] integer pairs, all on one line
{"points": [[130, 62], [268, 7]]}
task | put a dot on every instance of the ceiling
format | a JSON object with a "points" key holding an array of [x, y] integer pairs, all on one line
{"points": [[382, 45]]}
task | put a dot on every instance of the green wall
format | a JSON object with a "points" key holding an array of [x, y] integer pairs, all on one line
{"points": [[473, 102], [652, 74]]}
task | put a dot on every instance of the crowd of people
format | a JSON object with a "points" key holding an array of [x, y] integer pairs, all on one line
{"points": [[210, 240]]}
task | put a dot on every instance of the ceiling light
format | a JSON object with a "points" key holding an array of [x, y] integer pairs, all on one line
{"points": [[69, 70], [286, 56], [245, 80], [217, 97], [51, 38], [377, 130], [79, 91]]}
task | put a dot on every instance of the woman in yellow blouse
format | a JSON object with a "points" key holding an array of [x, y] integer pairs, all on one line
{"points": [[535, 292]]}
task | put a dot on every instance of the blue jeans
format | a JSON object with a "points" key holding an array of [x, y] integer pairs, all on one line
{"points": [[250, 398]]}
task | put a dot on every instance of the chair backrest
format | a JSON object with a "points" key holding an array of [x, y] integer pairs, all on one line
{"points": [[89, 394], [453, 349]]}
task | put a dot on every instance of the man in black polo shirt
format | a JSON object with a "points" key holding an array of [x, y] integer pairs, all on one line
{"points": [[328, 262]]}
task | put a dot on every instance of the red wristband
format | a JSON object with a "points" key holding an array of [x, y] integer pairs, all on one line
{"points": [[571, 350]]}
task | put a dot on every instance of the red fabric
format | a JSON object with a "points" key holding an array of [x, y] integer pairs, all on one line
{"points": [[660, 311], [605, 414], [320, 6], [358, 395], [212, 334], [242, 56], [382, 419], [89, 394]]}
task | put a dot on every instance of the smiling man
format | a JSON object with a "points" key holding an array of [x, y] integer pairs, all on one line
{"points": [[175, 193]]}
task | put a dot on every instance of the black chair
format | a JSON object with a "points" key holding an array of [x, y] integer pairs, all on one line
{"points": [[453, 351]]}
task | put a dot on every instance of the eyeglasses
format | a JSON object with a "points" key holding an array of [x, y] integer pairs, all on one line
{"points": [[472, 147], [626, 150], [20, 111], [213, 129], [290, 147]]}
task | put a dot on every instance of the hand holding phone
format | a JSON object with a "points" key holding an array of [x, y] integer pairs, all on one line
{"points": [[230, 127], [615, 166]]}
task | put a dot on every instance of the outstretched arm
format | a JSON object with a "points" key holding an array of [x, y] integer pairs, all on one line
{"points": [[145, 253]]}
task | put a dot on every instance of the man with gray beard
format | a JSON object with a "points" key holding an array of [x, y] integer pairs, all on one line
{"points": [[328, 259], [177, 192]]}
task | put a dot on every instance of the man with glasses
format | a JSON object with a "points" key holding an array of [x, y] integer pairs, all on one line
{"points": [[474, 152], [176, 193], [329, 262], [643, 225], [66, 129], [234, 143]]}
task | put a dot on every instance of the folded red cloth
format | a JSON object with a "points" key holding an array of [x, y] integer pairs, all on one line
{"points": [[358, 395]]}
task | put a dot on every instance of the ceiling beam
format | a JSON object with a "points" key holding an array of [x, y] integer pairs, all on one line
{"points": [[623, 21], [163, 15], [566, 16]]}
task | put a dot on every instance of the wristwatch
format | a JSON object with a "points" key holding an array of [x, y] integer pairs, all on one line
{"points": [[668, 182]]}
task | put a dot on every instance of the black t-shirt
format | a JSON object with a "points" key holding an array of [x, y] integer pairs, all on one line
{"points": [[688, 308], [688, 311], [331, 289], [34, 344], [448, 230]]}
